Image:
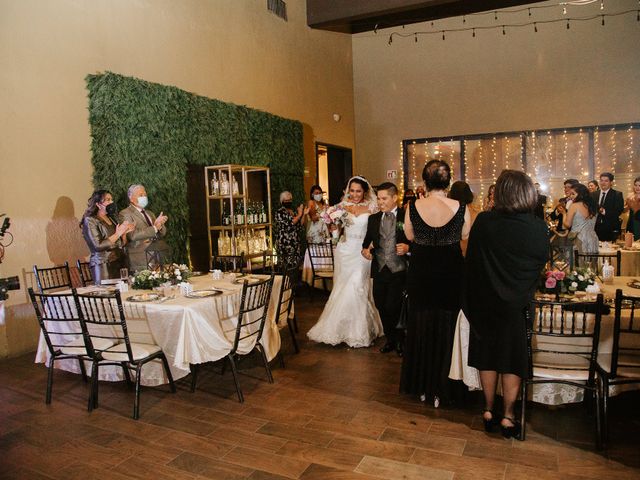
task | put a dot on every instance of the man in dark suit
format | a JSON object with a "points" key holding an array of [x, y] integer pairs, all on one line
{"points": [[149, 230], [610, 206], [386, 246]]}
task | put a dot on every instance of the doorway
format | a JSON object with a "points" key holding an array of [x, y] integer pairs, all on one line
{"points": [[334, 168]]}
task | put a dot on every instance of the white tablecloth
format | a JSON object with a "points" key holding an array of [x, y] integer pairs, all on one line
{"points": [[629, 260], [188, 330], [550, 394]]}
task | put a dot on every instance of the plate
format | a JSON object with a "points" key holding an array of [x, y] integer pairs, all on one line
{"points": [[107, 292], [204, 293], [248, 278], [634, 284], [197, 274], [144, 297]]}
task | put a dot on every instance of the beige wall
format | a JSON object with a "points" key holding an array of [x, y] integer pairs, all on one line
{"points": [[232, 50], [586, 75]]}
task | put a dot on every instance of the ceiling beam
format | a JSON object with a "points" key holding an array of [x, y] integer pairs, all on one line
{"points": [[356, 16]]}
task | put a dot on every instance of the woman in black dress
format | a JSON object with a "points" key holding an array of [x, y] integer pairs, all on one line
{"points": [[435, 225], [288, 228], [508, 247]]}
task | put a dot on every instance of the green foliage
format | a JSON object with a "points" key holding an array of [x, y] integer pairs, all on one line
{"points": [[148, 133]]}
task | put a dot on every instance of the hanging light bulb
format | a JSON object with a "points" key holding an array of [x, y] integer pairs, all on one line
{"points": [[415, 37], [474, 30], [442, 34], [535, 27], [464, 20], [375, 29], [390, 40], [602, 20], [564, 9], [495, 15], [529, 11], [504, 32], [567, 24], [601, 4]]}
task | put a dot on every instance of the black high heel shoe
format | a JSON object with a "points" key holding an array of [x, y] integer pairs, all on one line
{"points": [[512, 431], [489, 423]]}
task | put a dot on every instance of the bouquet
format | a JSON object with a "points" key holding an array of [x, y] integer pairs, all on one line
{"points": [[149, 279], [576, 280], [336, 215]]}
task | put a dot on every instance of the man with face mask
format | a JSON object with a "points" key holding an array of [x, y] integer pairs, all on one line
{"points": [[147, 237]]}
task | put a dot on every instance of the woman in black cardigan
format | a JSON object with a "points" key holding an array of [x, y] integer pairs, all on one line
{"points": [[508, 247]]}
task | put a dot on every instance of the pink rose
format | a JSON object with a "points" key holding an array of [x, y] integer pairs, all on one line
{"points": [[559, 275], [548, 273], [550, 283]]}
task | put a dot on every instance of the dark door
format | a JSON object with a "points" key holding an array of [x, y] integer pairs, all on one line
{"points": [[339, 171], [198, 233]]}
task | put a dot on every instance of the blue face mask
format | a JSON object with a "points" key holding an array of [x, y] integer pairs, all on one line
{"points": [[143, 202]]}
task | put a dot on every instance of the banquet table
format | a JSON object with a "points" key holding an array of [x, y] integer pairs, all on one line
{"points": [[550, 394], [189, 330], [629, 259]]}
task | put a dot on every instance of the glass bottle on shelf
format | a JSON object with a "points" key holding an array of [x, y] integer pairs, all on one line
{"points": [[263, 214], [215, 185], [224, 184], [239, 212], [225, 215], [236, 190]]}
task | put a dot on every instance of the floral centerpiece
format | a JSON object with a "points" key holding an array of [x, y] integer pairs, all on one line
{"points": [[149, 279], [576, 280]]}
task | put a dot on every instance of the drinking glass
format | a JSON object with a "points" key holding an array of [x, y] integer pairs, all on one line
{"points": [[124, 274]]}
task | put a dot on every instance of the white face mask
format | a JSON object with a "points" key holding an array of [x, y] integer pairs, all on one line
{"points": [[143, 202], [317, 197]]}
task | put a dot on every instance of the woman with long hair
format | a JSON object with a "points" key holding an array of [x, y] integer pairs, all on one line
{"points": [[104, 236], [488, 203], [581, 219], [350, 315], [317, 231], [461, 191], [508, 247]]}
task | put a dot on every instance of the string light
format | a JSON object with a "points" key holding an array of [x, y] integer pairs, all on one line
{"points": [[614, 153], [503, 27], [549, 151], [494, 158], [534, 156], [402, 167], [581, 168], [466, 160], [564, 154], [521, 153], [507, 153], [596, 150], [452, 160]]}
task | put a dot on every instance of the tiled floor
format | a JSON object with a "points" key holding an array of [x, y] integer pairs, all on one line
{"points": [[333, 413]]}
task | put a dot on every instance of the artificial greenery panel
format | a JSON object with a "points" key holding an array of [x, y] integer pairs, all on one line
{"points": [[147, 133]]}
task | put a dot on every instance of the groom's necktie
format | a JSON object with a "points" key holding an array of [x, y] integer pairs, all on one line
{"points": [[602, 198], [387, 222]]}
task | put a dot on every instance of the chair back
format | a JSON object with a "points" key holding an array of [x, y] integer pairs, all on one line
{"points": [[254, 306], [626, 328], [596, 260], [228, 263], [270, 262], [551, 321], [86, 273], [52, 278], [102, 317], [321, 256], [58, 318], [287, 294]]}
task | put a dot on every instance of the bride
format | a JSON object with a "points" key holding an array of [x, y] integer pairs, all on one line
{"points": [[350, 316]]}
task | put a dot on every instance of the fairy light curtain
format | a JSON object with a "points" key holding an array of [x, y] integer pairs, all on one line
{"points": [[547, 156]]}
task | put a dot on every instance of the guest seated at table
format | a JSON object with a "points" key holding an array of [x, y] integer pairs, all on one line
{"points": [[508, 247], [317, 231], [288, 224], [633, 205], [462, 192], [488, 203], [581, 219], [104, 236]]}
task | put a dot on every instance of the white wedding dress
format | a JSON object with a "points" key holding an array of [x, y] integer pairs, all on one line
{"points": [[350, 316]]}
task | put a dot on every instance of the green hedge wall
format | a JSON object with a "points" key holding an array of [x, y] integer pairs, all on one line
{"points": [[148, 133]]}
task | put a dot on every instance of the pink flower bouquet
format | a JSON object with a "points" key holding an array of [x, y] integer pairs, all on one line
{"points": [[334, 215]]}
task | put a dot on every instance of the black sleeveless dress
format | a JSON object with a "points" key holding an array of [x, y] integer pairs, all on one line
{"points": [[434, 282]]}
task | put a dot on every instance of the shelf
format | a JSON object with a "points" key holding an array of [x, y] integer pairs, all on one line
{"points": [[237, 227]]}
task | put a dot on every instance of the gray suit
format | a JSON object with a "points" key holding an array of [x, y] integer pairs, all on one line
{"points": [[142, 238]]}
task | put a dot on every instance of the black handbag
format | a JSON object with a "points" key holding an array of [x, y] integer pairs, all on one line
{"points": [[404, 312]]}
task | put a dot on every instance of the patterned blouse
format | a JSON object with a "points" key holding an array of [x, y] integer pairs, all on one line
{"points": [[287, 238]]}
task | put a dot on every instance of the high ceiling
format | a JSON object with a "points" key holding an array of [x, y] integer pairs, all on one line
{"points": [[356, 16]]}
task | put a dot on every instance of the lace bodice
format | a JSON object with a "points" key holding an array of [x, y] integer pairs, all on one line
{"points": [[448, 234]]}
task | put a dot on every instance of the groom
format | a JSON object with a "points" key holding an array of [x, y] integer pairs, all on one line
{"points": [[386, 245]]}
